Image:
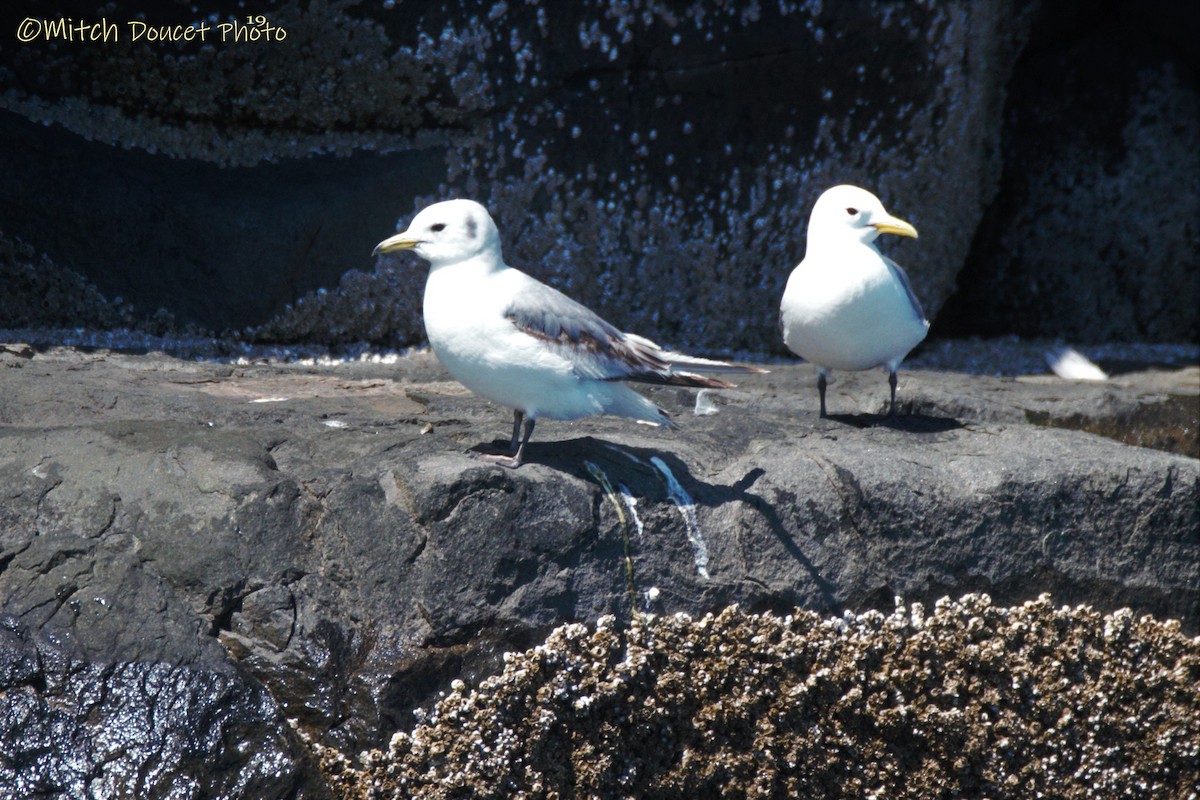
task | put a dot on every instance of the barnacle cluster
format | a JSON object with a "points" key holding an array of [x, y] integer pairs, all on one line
{"points": [[38, 292], [969, 699]]}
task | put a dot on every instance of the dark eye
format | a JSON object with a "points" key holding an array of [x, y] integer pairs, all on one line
{"points": [[852, 211], [438, 228]]}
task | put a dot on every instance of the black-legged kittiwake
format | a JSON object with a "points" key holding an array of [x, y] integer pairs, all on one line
{"points": [[522, 344], [846, 305]]}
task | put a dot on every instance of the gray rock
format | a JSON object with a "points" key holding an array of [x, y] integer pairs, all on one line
{"points": [[336, 542]]}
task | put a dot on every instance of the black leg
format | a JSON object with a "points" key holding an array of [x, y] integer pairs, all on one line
{"points": [[517, 417], [520, 456], [892, 383], [512, 462], [821, 390]]}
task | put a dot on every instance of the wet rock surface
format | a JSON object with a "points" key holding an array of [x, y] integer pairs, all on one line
{"points": [[320, 532], [968, 698], [73, 725]]}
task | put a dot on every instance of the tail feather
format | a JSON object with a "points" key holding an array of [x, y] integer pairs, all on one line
{"points": [[672, 359], [669, 377], [708, 365], [622, 401]]}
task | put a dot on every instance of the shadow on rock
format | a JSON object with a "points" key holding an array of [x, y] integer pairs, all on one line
{"points": [[659, 476], [911, 423]]}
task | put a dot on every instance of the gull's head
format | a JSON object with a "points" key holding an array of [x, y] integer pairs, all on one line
{"points": [[848, 213], [447, 233]]}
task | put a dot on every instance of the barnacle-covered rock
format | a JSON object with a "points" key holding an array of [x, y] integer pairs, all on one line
{"points": [[967, 698]]}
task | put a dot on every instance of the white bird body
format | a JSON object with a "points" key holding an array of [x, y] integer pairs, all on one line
{"points": [[846, 305], [855, 319], [482, 349], [522, 344]]}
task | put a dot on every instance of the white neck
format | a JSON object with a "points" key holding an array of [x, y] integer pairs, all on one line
{"points": [[821, 244]]}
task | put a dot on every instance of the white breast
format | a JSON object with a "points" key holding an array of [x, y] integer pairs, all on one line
{"points": [[482, 349], [848, 312]]}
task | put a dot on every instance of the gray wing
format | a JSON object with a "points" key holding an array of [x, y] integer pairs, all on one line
{"points": [[595, 348], [898, 272]]}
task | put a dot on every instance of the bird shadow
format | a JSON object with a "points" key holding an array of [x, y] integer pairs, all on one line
{"points": [[910, 423], [500, 447], [633, 468]]}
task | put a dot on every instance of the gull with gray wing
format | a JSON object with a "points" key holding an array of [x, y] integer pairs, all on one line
{"points": [[520, 343]]}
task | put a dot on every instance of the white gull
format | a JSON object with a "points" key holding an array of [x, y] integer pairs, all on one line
{"points": [[846, 305], [520, 343]]}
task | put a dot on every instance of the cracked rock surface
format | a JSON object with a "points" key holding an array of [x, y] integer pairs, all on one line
{"points": [[316, 538]]}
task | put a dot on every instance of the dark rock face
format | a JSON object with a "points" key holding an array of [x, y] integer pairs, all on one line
{"points": [[1092, 236], [215, 248], [38, 293], [323, 531], [612, 145], [226, 186]]}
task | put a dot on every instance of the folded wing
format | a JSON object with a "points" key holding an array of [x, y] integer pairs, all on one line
{"points": [[598, 350], [900, 275]]}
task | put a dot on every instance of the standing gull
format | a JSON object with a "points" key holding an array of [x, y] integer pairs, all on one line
{"points": [[846, 305], [522, 344]]}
